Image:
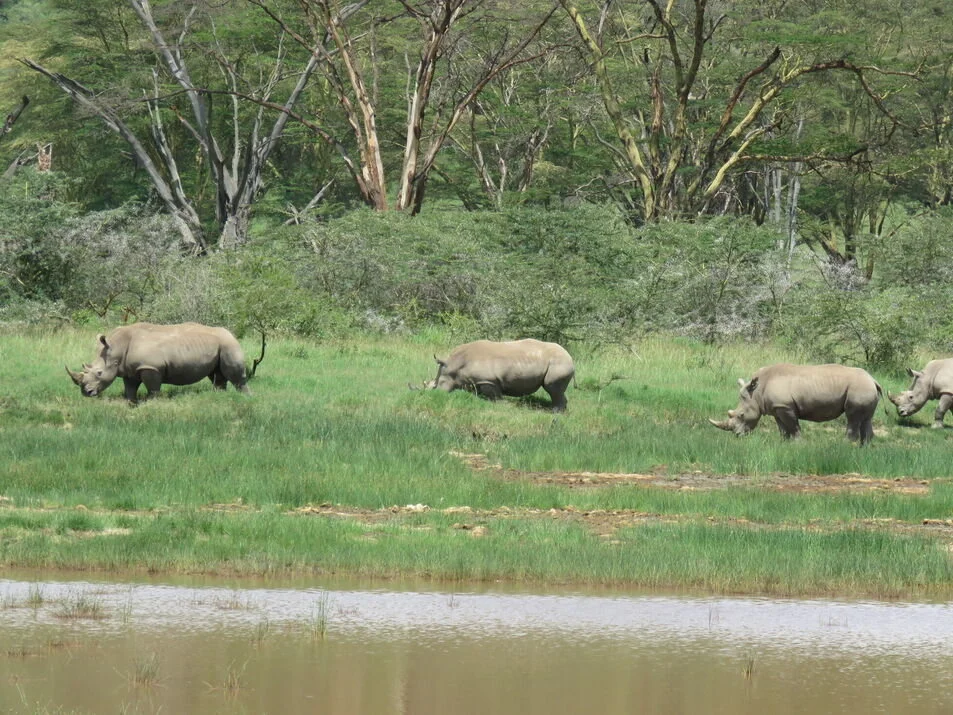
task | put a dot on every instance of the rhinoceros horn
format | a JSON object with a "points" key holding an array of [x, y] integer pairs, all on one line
{"points": [[891, 397], [720, 425], [76, 376]]}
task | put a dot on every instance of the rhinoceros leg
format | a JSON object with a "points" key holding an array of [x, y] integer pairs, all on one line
{"points": [[788, 423], [860, 431], [860, 422], [233, 372], [152, 379], [489, 390], [946, 402], [218, 380], [557, 392], [130, 388]]}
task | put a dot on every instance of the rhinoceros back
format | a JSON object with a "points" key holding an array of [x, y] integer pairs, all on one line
{"points": [[183, 354], [939, 373], [818, 392], [519, 367]]}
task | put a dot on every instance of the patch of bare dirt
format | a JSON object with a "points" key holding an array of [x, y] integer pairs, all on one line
{"points": [[606, 522], [701, 480]]}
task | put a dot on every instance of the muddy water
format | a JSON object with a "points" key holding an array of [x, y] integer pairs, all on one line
{"points": [[360, 648]]}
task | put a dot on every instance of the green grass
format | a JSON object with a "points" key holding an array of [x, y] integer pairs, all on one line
{"points": [[96, 484]]}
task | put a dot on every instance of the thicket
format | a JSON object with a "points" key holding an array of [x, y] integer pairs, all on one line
{"points": [[573, 275]]}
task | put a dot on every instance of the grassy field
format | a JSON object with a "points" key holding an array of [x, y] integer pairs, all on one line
{"points": [[333, 465]]}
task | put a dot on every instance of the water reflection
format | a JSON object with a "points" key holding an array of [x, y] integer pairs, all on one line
{"points": [[345, 649]]}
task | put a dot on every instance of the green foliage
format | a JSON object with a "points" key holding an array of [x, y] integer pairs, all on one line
{"points": [[224, 481], [263, 292], [574, 276], [710, 279], [838, 315], [35, 260], [855, 323]]}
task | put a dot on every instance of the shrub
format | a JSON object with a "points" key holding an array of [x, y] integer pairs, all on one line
{"points": [[715, 280], [35, 262], [855, 323]]}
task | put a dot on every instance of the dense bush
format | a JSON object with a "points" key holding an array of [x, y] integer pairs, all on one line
{"points": [[34, 259], [569, 275]]}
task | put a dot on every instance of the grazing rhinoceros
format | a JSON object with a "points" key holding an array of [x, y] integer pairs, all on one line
{"points": [[156, 354], [934, 382], [515, 368], [817, 393]]}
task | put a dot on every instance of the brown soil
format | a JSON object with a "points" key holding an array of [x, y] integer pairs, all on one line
{"points": [[606, 523], [603, 522], [701, 480]]}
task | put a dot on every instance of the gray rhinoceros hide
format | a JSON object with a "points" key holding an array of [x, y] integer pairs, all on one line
{"points": [[817, 393], [514, 368], [145, 353], [934, 382]]}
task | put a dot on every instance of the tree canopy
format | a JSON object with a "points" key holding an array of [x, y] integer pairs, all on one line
{"points": [[814, 115]]}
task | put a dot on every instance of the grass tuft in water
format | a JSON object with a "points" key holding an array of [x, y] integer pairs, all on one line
{"points": [[318, 625], [145, 672], [80, 606], [263, 630], [233, 682]]}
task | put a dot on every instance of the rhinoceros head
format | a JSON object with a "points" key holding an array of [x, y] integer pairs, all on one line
{"points": [[746, 415], [445, 380], [99, 375], [432, 384], [910, 401]]}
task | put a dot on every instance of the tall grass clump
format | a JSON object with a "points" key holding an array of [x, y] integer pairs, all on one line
{"points": [[80, 606]]}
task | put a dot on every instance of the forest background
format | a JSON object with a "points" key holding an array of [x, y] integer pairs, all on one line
{"points": [[565, 170]]}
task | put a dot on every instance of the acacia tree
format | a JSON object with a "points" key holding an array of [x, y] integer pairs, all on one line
{"points": [[446, 71], [235, 150], [691, 127]]}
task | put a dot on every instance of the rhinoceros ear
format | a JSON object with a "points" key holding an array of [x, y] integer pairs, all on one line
{"points": [[102, 339], [914, 373], [741, 382], [441, 363], [752, 385]]}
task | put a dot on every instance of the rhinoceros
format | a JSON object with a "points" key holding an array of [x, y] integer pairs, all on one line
{"points": [[934, 382], [817, 393], [514, 368], [155, 354]]}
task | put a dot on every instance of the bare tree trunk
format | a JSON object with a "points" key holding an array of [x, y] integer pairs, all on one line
{"points": [[238, 177], [794, 191], [174, 199], [13, 116]]}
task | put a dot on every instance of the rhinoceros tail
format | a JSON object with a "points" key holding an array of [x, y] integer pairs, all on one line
{"points": [[255, 363], [880, 394]]}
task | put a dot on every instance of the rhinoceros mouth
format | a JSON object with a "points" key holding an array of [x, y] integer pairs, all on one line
{"points": [[90, 393]]}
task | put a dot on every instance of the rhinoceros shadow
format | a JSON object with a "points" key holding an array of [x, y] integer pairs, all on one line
{"points": [[908, 423], [534, 402]]}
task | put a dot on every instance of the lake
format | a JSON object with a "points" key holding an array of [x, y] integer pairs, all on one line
{"points": [[349, 647]]}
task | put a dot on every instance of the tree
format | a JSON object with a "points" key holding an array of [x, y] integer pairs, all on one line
{"points": [[450, 72], [700, 117], [235, 150]]}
